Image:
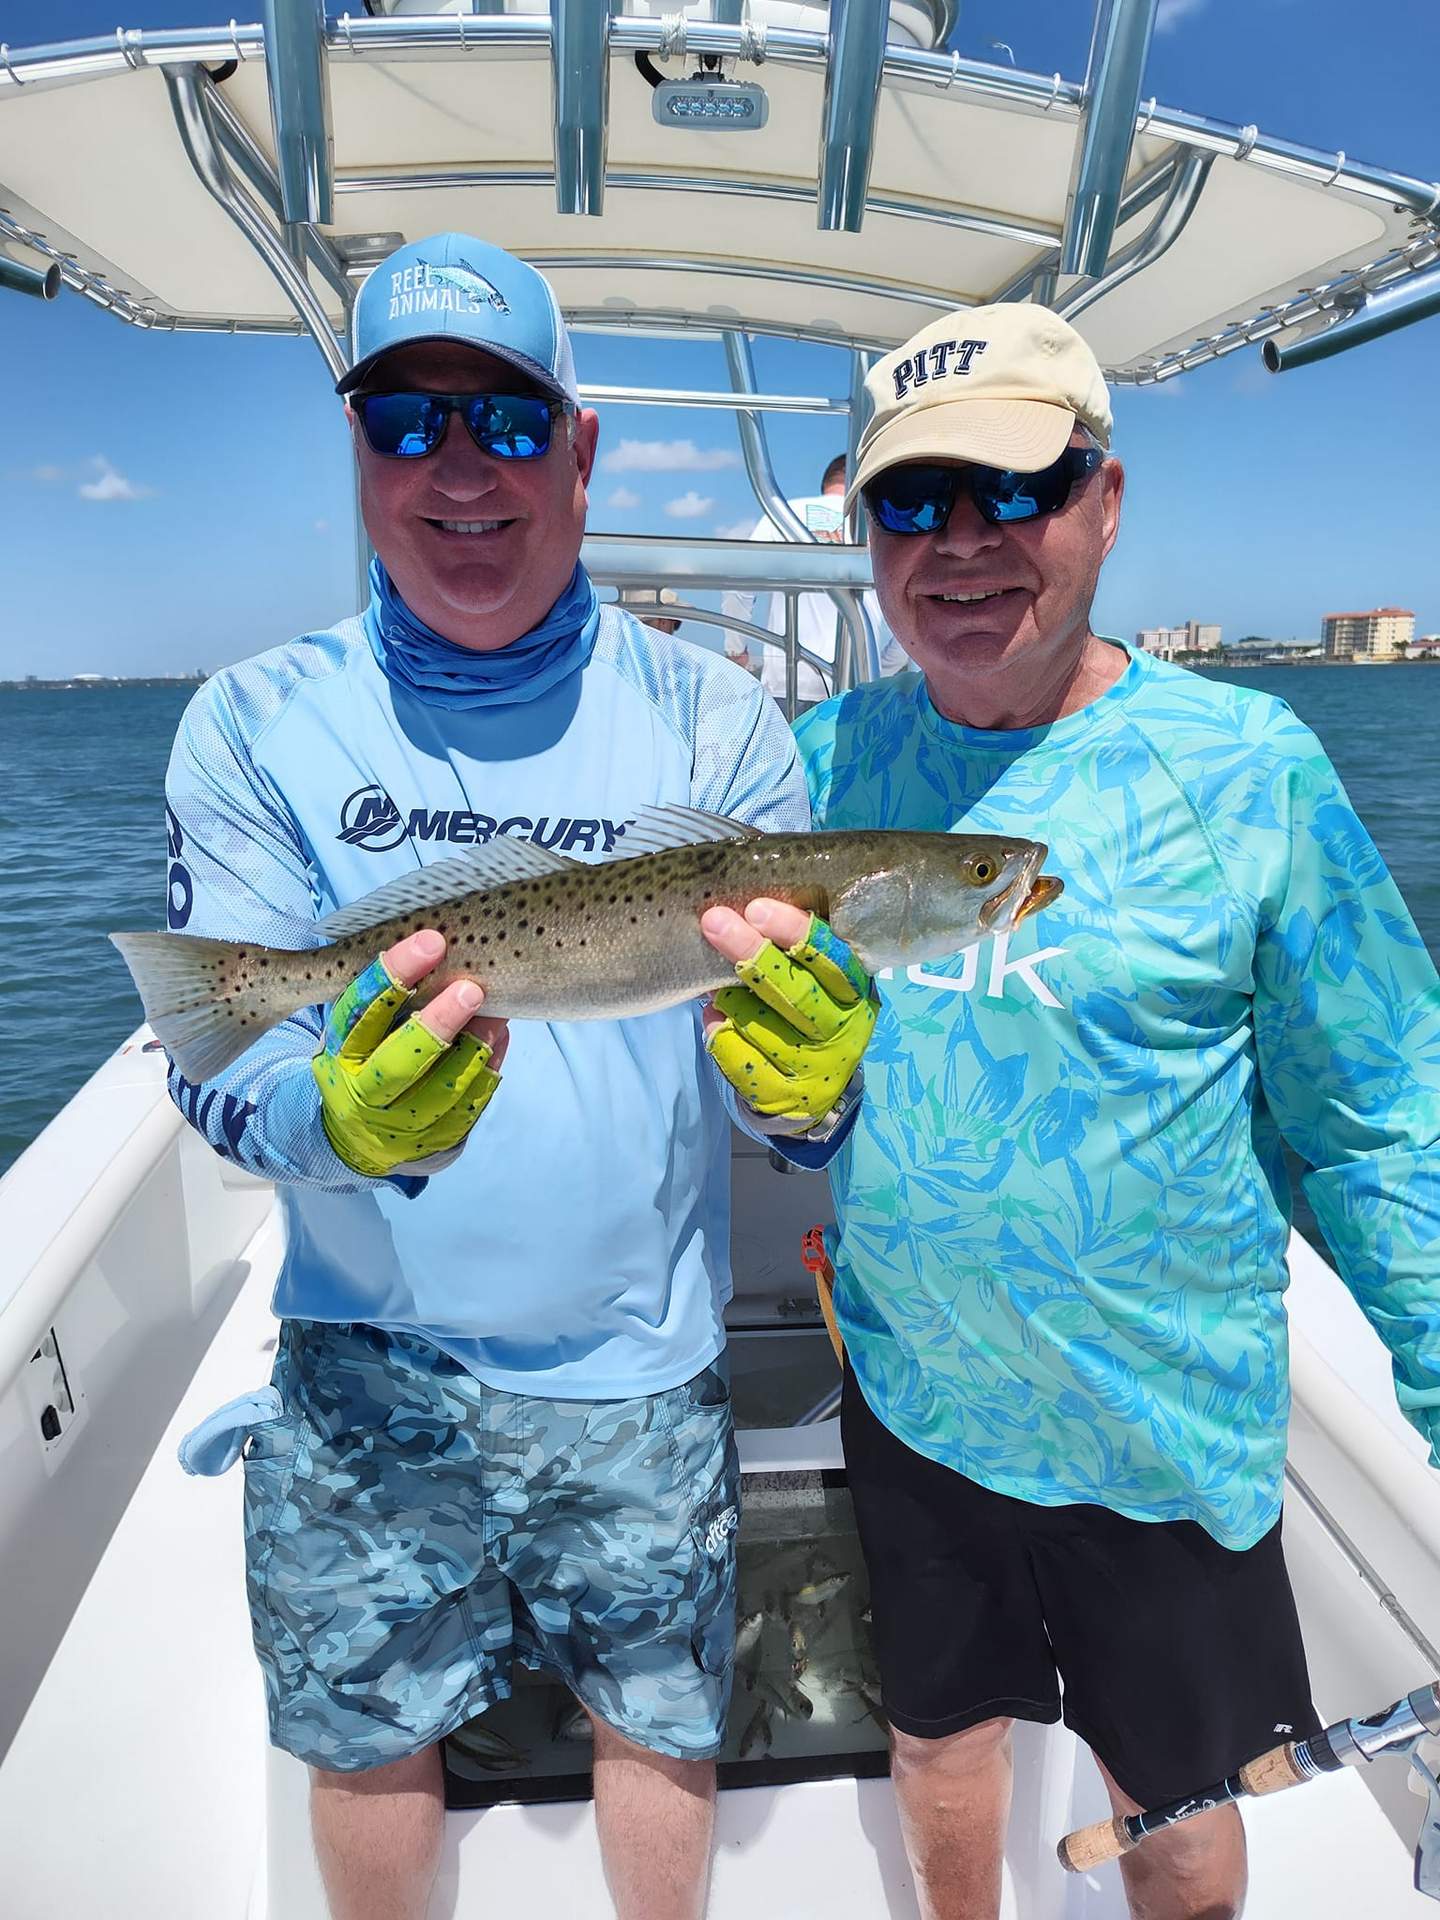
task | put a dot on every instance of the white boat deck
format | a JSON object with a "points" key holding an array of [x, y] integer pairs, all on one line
{"points": [[140, 1781]]}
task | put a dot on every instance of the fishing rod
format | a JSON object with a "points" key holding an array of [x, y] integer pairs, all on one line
{"points": [[1347, 1744]]}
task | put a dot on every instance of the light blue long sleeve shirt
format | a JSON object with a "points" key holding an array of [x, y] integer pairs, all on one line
{"points": [[1063, 1209], [579, 1246]]}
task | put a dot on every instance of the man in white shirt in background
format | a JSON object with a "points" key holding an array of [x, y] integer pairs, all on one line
{"points": [[649, 608], [817, 617]]}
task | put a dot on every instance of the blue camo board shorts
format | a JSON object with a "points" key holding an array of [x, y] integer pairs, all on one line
{"points": [[410, 1531]]}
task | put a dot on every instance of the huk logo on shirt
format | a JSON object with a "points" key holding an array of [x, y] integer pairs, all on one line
{"points": [[426, 289], [946, 357], [999, 972], [370, 820]]}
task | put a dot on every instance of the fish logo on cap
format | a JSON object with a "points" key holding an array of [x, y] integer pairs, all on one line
{"points": [[409, 290]]}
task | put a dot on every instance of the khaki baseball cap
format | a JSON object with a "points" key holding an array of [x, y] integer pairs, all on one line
{"points": [[1005, 386]]}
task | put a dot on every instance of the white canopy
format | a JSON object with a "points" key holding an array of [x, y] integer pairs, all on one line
{"points": [[448, 123]]}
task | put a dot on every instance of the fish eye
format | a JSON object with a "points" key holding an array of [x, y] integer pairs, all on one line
{"points": [[983, 870]]}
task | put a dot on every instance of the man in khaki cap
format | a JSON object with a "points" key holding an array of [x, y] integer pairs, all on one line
{"points": [[1062, 1213]]}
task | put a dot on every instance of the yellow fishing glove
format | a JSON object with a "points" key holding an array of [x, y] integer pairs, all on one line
{"points": [[795, 1029], [391, 1096]]}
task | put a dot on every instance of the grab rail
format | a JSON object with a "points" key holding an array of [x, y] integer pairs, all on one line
{"points": [[30, 1312]]}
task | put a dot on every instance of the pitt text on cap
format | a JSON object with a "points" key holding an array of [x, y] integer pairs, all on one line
{"points": [[934, 363]]}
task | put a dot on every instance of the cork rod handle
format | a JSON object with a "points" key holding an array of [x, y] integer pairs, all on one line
{"points": [[1093, 1846], [1272, 1772]]}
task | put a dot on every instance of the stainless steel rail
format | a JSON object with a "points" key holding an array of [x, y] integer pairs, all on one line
{"points": [[580, 79], [1186, 188], [1366, 318], [854, 75], [430, 37], [648, 180], [1368, 1575], [1108, 108], [187, 87], [1345, 291], [68, 62], [1147, 186], [242, 149], [655, 560], [687, 397], [854, 621], [297, 80]]}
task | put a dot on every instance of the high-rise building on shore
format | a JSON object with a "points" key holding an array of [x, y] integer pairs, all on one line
{"points": [[1194, 637], [1381, 634]]}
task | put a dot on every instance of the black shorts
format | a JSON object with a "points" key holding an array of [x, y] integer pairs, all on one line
{"points": [[1180, 1659]]}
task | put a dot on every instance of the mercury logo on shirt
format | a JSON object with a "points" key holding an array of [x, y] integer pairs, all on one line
{"points": [[370, 820]]}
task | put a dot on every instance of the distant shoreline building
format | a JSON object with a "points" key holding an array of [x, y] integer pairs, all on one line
{"points": [[1168, 642], [1384, 633]]}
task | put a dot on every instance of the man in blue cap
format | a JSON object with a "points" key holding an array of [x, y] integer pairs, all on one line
{"points": [[498, 1425]]}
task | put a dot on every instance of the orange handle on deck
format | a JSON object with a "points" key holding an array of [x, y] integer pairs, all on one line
{"points": [[815, 1259]]}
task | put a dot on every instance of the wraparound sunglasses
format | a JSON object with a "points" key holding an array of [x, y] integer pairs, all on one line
{"points": [[408, 426], [920, 498]]}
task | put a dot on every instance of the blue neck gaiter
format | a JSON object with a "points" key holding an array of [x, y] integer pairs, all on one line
{"points": [[438, 672]]}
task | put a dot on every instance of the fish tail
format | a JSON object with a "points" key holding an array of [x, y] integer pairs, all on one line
{"points": [[201, 1008]]}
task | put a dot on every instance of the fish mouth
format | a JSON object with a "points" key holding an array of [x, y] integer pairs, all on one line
{"points": [[1045, 889], [1031, 888]]}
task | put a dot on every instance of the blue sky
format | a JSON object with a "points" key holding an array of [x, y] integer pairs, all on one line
{"points": [[179, 501]]}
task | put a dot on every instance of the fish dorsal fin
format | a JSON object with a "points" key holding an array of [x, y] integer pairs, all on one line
{"points": [[656, 828], [492, 865]]}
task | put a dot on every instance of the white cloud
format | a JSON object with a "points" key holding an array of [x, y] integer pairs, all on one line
{"points": [[321, 526], [47, 476], [624, 499], [108, 484], [1171, 13], [690, 506], [667, 456], [735, 530]]}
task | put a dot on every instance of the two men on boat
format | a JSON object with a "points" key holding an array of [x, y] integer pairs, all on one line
{"points": [[1063, 1211], [1061, 1207], [499, 1426]]}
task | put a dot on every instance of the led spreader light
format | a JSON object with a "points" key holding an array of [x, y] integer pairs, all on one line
{"points": [[721, 106]]}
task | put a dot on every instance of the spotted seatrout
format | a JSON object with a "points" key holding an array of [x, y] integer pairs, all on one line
{"points": [[552, 938]]}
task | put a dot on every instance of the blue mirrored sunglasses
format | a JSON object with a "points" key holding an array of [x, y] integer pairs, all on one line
{"points": [[407, 426], [920, 498]]}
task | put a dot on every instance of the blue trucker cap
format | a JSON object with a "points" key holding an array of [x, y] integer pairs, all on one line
{"points": [[454, 287]]}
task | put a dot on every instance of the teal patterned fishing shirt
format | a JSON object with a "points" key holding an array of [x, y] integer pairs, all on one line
{"points": [[1062, 1215]]}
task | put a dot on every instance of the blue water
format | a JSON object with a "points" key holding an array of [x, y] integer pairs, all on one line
{"points": [[82, 848]]}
